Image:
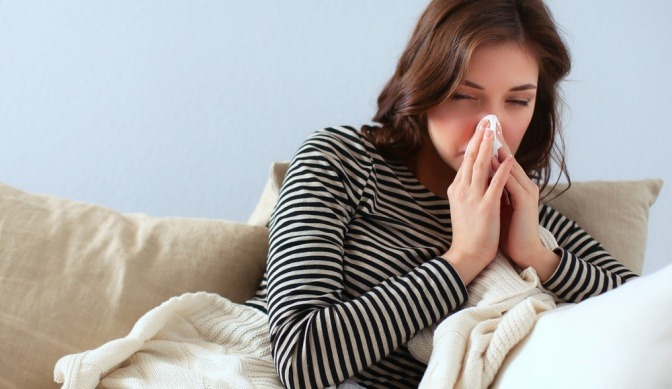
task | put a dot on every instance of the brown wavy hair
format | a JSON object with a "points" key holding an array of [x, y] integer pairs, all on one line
{"points": [[434, 63]]}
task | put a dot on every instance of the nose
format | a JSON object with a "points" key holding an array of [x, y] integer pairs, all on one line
{"points": [[492, 111], [496, 108]]}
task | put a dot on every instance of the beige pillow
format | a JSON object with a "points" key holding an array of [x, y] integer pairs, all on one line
{"points": [[74, 276], [262, 212], [616, 213]]}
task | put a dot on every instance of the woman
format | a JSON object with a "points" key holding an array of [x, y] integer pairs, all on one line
{"points": [[378, 232]]}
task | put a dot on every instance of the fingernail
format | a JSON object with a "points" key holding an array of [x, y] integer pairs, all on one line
{"points": [[488, 134], [483, 124]]}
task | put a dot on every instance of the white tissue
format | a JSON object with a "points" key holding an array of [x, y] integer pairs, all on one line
{"points": [[496, 145]]}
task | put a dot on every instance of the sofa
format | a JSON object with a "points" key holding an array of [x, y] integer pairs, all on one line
{"points": [[74, 275]]}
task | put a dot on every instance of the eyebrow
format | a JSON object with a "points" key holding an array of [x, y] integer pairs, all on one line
{"points": [[514, 89]]}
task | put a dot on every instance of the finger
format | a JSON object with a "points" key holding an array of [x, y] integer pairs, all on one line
{"points": [[522, 190], [481, 168], [459, 177], [470, 155], [517, 171], [506, 199], [516, 190], [499, 180], [495, 163], [522, 178], [505, 150]]}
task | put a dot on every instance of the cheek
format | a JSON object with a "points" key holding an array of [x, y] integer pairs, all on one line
{"points": [[450, 130], [515, 131], [513, 136], [451, 136]]}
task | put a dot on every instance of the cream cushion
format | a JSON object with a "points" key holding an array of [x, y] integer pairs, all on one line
{"points": [[616, 213], [262, 212], [74, 276]]}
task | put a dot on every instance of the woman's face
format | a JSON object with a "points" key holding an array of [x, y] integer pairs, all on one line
{"points": [[501, 79]]}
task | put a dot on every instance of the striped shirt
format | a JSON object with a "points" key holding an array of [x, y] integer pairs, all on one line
{"points": [[354, 267]]}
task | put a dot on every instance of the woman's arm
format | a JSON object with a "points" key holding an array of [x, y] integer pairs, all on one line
{"points": [[319, 338], [586, 269], [580, 268]]}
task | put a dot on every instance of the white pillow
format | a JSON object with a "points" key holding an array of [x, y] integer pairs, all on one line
{"points": [[620, 339]]}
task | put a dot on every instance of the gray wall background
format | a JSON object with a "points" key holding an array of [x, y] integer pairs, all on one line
{"points": [[177, 108]]}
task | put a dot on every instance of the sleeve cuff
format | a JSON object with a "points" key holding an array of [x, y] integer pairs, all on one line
{"points": [[453, 282], [563, 272]]}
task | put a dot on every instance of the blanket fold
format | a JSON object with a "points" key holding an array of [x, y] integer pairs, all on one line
{"points": [[467, 348], [193, 340]]}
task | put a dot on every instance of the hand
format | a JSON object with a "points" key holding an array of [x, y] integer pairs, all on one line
{"points": [[475, 207], [519, 234]]}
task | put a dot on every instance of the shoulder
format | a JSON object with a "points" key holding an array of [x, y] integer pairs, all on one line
{"points": [[545, 209], [343, 147], [343, 140], [561, 226], [548, 214]]}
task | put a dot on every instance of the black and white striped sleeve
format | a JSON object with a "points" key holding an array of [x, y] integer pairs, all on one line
{"points": [[318, 337], [586, 269]]}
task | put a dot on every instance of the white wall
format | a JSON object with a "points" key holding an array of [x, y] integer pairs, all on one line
{"points": [[618, 94], [178, 108]]}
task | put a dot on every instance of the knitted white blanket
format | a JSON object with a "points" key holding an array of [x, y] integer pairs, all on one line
{"points": [[205, 340], [197, 340], [467, 348]]}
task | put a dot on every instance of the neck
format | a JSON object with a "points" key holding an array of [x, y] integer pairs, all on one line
{"points": [[431, 171]]}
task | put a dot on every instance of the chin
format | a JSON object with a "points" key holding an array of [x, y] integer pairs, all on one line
{"points": [[458, 162]]}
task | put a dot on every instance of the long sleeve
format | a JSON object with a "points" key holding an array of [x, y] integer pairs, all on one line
{"points": [[586, 269], [320, 335]]}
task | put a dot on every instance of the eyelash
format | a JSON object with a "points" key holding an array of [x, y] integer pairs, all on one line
{"points": [[522, 103], [462, 97]]}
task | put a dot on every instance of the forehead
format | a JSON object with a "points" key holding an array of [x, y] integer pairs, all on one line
{"points": [[506, 62]]}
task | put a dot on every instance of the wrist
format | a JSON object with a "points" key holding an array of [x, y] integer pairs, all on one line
{"points": [[467, 266], [544, 262]]}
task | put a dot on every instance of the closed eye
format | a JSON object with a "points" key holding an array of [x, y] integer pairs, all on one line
{"points": [[522, 103], [458, 96]]}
